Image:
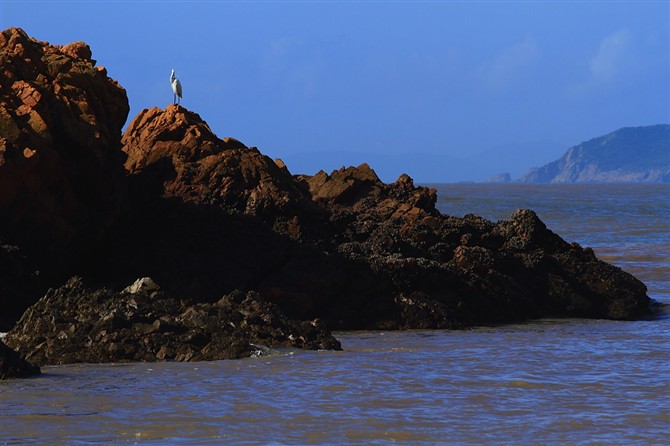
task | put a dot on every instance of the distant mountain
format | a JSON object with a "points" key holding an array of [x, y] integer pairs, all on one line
{"points": [[631, 154]]}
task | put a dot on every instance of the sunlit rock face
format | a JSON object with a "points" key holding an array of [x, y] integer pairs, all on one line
{"points": [[61, 176]]}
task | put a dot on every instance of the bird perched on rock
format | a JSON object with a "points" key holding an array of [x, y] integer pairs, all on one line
{"points": [[176, 88]]}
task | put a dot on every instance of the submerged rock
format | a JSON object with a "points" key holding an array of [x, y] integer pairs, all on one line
{"points": [[75, 324]]}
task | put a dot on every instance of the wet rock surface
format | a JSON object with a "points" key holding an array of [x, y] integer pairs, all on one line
{"points": [[206, 217], [74, 324]]}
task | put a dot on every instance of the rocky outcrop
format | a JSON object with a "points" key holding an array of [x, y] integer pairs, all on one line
{"points": [[243, 250], [192, 164], [449, 272], [630, 155], [61, 177], [344, 246], [13, 365], [505, 177], [74, 324]]}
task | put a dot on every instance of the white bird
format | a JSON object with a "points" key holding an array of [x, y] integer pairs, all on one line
{"points": [[176, 88]]}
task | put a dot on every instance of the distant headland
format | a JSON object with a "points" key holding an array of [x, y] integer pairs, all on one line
{"points": [[628, 155]]}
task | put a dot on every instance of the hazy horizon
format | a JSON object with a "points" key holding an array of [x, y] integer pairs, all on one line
{"points": [[443, 91]]}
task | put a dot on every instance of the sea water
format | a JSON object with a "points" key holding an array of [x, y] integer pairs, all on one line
{"points": [[545, 382]]}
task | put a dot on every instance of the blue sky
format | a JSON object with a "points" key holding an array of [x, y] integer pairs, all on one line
{"points": [[442, 90]]}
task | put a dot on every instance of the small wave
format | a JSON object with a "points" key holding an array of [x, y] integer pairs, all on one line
{"points": [[522, 384]]}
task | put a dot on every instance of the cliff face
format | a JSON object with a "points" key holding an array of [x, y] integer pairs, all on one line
{"points": [[61, 177], [639, 154], [231, 237], [62, 183]]}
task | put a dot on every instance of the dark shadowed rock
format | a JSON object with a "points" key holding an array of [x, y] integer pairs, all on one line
{"points": [[20, 285], [61, 177], [447, 272], [74, 324], [13, 365], [207, 217], [344, 246]]}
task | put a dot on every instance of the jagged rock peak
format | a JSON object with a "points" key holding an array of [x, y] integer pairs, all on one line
{"points": [[174, 131], [16, 40], [34, 75], [344, 184], [177, 152]]}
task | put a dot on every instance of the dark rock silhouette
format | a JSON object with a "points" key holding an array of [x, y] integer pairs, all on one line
{"points": [[13, 365], [74, 324], [62, 185], [346, 247], [20, 284]]}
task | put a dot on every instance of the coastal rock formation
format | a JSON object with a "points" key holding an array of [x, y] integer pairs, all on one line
{"points": [[630, 155], [61, 178], [344, 246], [13, 365], [449, 272], [244, 252], [177, 147], [74, 324]]}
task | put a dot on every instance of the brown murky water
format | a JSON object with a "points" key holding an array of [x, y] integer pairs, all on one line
{"points": [[547, 382]]}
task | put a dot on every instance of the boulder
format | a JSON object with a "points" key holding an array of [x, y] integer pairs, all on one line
{"points": [[175, 150], [75, 324]]}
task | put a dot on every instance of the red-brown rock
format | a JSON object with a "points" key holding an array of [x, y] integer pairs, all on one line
{"points": [[196, 166], [61, 179], [207, 216]]}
